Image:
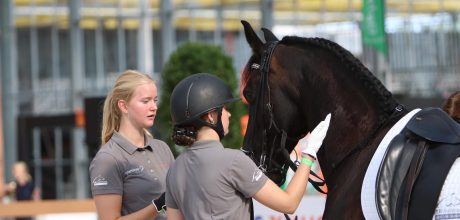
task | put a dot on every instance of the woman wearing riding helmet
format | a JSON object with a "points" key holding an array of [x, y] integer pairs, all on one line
{"points": [[208, 181]]}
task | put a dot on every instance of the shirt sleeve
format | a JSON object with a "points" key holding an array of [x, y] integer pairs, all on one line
{"points": [[169, 199], [105, 175], [246, 177]]}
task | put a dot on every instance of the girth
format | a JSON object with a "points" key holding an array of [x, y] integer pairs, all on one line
{"points": [[415, 165]]}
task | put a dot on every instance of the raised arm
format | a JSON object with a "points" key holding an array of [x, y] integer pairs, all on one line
{"points": [[287, 201]]}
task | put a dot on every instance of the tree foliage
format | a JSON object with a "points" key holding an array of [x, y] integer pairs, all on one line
{"points": [[193, 58]]}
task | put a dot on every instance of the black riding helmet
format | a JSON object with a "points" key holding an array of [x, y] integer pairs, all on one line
{"points": [[197, 95]]}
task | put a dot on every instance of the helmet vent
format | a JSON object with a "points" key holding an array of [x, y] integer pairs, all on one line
{"points": [[187, 110]]}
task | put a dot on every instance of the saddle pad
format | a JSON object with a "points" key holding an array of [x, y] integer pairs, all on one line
{"points": [[449, 199], [368, 198]]}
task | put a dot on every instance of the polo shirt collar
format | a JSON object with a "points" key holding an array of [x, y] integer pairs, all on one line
{"points": [[128, 146], [206, 144]]}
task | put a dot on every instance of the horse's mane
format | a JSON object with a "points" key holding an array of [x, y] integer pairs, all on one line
{"points": [[376, 89]]}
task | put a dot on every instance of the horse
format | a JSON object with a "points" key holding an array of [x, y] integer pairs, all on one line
{"points": [[291, 84]]}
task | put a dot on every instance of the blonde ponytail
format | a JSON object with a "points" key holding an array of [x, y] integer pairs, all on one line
{"points": [[123, 89]]}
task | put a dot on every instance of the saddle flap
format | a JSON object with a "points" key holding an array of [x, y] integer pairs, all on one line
{"points": [[391, 174], [435, 125]]}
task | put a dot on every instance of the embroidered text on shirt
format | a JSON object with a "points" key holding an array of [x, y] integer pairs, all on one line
{"points": [[100, 181], [137, 170], [256, 175]]}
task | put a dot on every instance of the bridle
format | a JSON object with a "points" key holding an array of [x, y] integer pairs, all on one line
{"points": [[266, 162]]}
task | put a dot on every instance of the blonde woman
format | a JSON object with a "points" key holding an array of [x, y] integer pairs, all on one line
{"points": [[129, 170], [22, 186]]}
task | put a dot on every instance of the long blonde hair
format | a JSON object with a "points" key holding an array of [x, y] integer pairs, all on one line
{"points": [[123, 89]]}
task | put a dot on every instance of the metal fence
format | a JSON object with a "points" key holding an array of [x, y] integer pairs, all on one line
{"points": [[425, 64]]}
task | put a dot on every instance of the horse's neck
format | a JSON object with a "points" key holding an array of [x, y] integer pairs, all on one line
{"points": [[353, 123], [352, 116], [352, 129], [356, 99]]}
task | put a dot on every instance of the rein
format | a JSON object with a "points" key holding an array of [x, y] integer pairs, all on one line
{"points": [[266, 162]]}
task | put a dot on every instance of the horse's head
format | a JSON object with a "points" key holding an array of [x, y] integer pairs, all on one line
{"points": [[272, 96]]}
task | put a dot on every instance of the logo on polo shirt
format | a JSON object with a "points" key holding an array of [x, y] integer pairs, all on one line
{"points": [[99, 181], [135, 171], [256, 175]]}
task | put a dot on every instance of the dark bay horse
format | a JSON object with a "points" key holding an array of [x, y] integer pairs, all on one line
{"points": [[291, 85]]}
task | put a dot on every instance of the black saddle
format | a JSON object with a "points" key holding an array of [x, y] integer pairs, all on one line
{"points": [[415, 165]]}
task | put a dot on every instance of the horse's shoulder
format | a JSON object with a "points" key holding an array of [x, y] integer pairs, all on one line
{"points": [[435, 125]]}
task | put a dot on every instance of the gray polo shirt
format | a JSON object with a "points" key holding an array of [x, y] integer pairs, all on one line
{"points": [[208, 181], [138, 174]]}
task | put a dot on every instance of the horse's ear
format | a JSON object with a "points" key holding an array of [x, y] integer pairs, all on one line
{"points": [[268, 35], [252, 38]]}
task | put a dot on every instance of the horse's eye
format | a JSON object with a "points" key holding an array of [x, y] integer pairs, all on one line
{"points": [[255, 66]]}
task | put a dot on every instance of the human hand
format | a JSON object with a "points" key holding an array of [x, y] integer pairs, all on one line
{"points": [[310, 144]]}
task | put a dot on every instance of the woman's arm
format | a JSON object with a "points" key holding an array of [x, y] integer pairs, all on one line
{"points": [[7, 188], [109, 208], [285, 201], [10, 187], [174, 214]]}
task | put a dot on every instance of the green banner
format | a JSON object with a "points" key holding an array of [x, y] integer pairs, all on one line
{"points": [[373, 26]]}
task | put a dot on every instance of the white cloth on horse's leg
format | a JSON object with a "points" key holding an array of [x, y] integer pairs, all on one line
{"points": [[368, 197], [449, 199]]}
